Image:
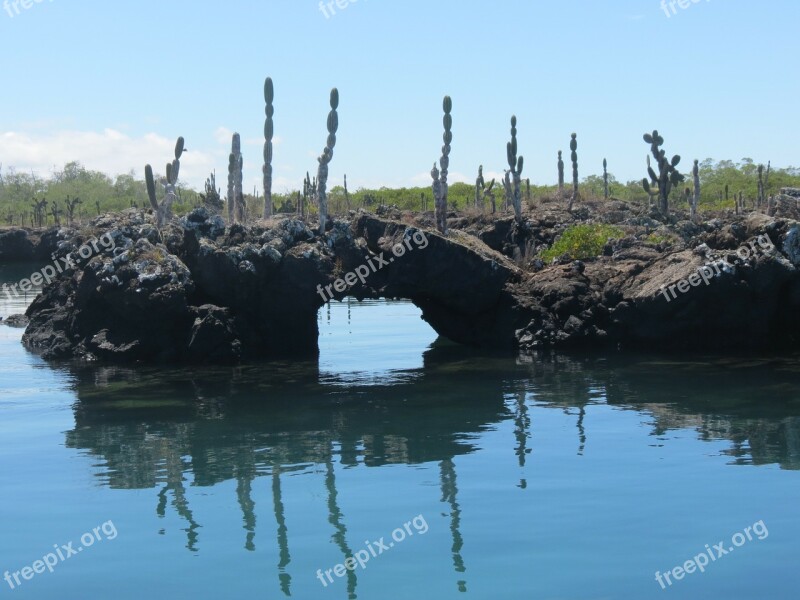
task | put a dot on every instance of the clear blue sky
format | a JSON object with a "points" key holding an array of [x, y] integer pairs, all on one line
{"points": [[114, 83]]}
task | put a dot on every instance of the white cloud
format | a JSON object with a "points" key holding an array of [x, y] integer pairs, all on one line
{"points": [[109, 151], [223, 137]]}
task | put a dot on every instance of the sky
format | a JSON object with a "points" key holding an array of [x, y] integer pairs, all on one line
{"points": [[113, 84]]}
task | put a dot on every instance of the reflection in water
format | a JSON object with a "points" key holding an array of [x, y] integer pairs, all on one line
{"points": [[153, 427], [522, 427], [336, 519], [244, 493], [581, 430], [449, 495], [174, 469], [284, 578]]}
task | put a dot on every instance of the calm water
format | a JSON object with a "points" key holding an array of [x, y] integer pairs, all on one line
{"points": [[568, 478]]}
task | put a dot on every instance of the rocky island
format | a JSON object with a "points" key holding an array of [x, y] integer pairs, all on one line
{"points": [[195, 290]]}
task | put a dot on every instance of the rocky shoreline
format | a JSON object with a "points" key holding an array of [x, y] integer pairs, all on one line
{"points": [[195, 291]]}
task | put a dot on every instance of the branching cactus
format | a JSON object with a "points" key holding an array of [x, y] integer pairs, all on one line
{"points": [[324, 161], [760, 185], [440, 178], [163, 210], [40, 211], [71, 205], [479, 183], [560, 174], [661, 183], [508, 189], [269, 96], [573, 146], [515, 170], [482, 191], [696, 180], [489, 193], [56, 212], [306, 194], [605, 179]]}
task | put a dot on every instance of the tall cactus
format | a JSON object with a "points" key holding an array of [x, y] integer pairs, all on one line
{"points": [[325, 159], [72, 203], [605, 179], [488, 193], [482, 190], [240, 210], [163, 210], [269, 96], [479, 183], [661, 184], [508, 188], [231, 199], [573, 146], [696, 181], [560, 174], [515, 165], [760, 185], [440, 179]]}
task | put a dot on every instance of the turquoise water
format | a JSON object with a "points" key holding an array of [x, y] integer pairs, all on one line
{"points": [[557, 478]]}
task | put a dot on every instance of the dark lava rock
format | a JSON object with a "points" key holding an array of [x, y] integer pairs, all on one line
{"points": [[197, 292], [17, 321]]}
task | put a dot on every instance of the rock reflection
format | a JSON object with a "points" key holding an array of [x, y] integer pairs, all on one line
{"points": [[157, 429]]}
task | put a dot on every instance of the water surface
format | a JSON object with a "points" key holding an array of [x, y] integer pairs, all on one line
{"points": [[556, 477]]}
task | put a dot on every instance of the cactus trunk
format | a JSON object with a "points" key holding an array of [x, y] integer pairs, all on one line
{"points": [[573, 146], [269, 94], [515, 165], [324, 161], [162, 210], [235, 170], [661, 183], [440, 178]]}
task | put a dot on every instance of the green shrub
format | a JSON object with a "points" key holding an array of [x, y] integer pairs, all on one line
{"points": [[582, 241], [656, 239]]}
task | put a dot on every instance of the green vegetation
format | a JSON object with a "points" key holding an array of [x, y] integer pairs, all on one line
{"points": [[582, 241], [656, 239], [99, 193]]}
